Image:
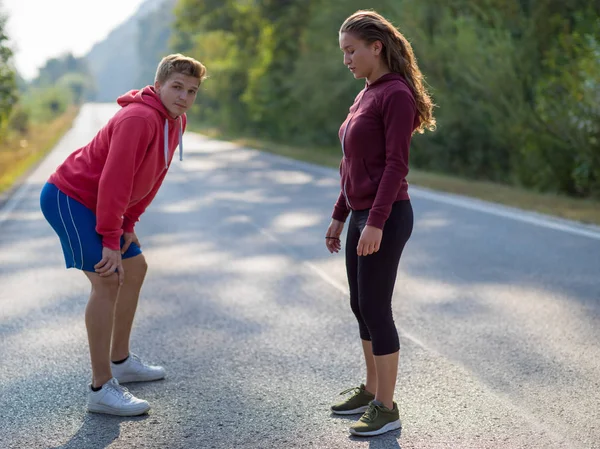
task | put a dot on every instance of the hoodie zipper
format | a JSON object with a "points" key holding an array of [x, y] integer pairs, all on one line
{"points": [[344, 151]]}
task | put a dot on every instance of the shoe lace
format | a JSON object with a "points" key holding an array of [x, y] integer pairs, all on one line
{"points": [[120, 390], [371, 414], [355, 390], [137, 361]]}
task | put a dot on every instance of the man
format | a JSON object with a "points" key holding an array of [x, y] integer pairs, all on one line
{"points": [[93, 200]]}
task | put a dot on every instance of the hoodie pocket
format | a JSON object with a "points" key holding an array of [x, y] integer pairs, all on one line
{"points": [[375, 180], [358, 184]]}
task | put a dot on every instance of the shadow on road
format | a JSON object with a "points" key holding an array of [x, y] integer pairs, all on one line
{"points": [[97, 431]]}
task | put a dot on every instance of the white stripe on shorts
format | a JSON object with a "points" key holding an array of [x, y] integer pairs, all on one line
{"points": [[64, 225], [76, 231]]}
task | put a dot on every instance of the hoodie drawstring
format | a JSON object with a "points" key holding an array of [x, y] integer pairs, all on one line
{"points": [[180, 138], [167, 141]]}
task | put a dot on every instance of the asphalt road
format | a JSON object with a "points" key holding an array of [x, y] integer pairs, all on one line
{"points": [[498, 312]]}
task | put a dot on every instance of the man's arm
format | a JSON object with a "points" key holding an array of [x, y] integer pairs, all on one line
{"points": [[128, 145], [132, 215]]}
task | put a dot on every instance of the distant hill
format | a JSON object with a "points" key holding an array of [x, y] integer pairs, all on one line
{"points": [[122, 61]]}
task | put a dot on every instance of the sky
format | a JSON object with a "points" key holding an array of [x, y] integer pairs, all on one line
{"points": [[44, 29]]}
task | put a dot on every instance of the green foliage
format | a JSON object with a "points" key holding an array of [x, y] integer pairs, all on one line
{"points": [[269, 94], [68, 72], [19, 119], [55, 68], [80, 86], [47, 103], [517, 84], [474, 72], [569, 103], [223, 35], [21, 83], [8, 86], [60, 82], [154, 31]]}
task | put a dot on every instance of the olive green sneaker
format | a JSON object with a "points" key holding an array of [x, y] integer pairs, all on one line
{"points": [[376, 420], [357, 403]]}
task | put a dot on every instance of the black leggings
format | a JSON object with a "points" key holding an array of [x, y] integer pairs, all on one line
{"points": [[372, 278]]}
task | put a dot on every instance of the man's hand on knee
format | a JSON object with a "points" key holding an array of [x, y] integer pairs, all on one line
{"points": [[129, 237], [111, 261]]}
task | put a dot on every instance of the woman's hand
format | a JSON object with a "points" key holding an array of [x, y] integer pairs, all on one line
{"points": [[111, 261], [370, 240], [332, 236]]}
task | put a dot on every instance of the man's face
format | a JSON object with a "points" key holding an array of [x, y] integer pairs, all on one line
{"points": [[178, 93]]}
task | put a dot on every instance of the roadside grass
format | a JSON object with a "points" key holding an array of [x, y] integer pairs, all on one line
{"points": [[19, 153]]}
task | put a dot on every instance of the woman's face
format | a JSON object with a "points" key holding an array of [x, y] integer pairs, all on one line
{"points": [[361, 58]]}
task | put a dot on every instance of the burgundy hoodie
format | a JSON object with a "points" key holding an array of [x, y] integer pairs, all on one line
{"points": [[118, 174], [375, 141]]}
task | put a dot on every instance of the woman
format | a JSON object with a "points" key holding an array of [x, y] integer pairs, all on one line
{"points": [[375, 140]]}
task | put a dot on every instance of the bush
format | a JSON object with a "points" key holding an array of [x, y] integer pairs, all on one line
{"points": [[19, 119], [47, 103]]}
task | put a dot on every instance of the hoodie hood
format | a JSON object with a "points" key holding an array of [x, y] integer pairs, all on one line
{"points": [[392, 76], [149, 97]]}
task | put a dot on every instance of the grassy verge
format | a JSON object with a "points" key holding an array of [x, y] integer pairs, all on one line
{"points": [[18, 153], [585, 211]]}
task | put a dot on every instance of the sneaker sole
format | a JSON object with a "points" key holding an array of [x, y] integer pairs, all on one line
{"points": [[394, 425], [96, 408], [128, 379], [351, 412]]}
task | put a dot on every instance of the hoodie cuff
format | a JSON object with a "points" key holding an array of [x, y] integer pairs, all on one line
{"points": [[113, 243], [128, 225], [340, 214], [376, 220]]}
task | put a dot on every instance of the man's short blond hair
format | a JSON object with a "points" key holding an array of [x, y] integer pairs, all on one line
{"points": [[178, 63]]}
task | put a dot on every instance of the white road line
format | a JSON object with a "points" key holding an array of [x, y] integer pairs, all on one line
{"points": [[499, 210], [557, 224]]}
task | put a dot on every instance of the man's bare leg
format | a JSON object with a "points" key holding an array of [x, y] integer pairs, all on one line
{"points": [[126, 304], [99, 317]]}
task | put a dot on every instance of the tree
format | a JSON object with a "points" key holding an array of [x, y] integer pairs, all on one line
{"points": [[56, 68], [224, 35], [8, 86], [516, 83], [69, 72], [81, 86], [154, 33]]}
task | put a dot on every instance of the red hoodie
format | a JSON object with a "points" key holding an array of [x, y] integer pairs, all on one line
{"points": [[118, 174], [375, 141]]}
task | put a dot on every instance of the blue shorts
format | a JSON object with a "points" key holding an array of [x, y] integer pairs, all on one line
{"points": [[75, 225]]}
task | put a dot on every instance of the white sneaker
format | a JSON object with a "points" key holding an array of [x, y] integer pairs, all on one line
{"points": [[114, 399], [134, 370]]}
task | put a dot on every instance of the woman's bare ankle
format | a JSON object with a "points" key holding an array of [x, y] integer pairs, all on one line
{"points": [[98, 381], [371, 388]]}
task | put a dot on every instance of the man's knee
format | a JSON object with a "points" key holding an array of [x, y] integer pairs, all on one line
{"points": [[105, 286], [135, 266]]}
